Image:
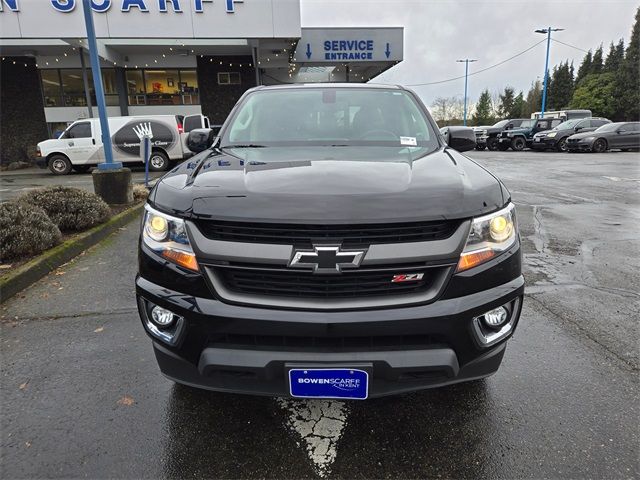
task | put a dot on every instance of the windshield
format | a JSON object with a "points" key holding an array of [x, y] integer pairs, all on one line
{"points": [[569, 124], [329, 117], [501, 123], [609, 127]]}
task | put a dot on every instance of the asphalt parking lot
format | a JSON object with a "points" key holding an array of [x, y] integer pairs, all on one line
{"points": [[14, 183], [83, 397]]}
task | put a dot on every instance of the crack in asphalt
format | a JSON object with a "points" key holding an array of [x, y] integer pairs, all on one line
{"points": [[563, 318], [60, 316], [319, 423]]}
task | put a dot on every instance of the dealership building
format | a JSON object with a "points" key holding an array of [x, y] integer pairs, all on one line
{"points": [[165, 57]]}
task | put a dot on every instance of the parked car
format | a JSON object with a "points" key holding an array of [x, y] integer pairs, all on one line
{"points": [[316, 254], [519, 138], [620, 135], [556, 138], [493, 133], [80, 145]]}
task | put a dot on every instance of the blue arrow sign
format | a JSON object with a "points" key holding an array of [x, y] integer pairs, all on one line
{"points": [[387, 52], [308, 50]]}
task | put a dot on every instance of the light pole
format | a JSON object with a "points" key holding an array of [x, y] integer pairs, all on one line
{"points": [[546, 31], [466, 62]]}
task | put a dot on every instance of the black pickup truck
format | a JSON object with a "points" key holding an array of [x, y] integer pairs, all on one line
{"points": [[329, 243]]}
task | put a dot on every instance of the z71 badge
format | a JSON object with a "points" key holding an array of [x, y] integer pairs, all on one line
{"points": [[407, 277]]}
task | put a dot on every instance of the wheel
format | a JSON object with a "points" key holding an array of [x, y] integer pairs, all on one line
{"points": [[562, 145], [492, 144], [503, 147], [81, 168], [159, 162], [518, 144], [60, 165], [599, 146], [480, 147]]}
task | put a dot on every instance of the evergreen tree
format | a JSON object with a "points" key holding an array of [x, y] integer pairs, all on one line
{"points": [[596, 63], [518, 108], [507, 98], [626, 89], [560, 90], [534, 99], [615, 57], [483, 114], [585, 67]]}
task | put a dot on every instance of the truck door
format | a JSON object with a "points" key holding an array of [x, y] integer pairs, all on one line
{"points": [[80, 144]]}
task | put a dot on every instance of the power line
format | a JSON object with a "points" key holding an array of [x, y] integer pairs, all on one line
{"points": [[478, 71], [569, 45]]}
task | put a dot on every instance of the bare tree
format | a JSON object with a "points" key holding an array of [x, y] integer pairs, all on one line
{"points": [[441, 109]]}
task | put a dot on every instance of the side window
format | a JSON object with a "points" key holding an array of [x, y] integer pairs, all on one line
{"points": [[79, 130], [634, 127], [191, 122]]}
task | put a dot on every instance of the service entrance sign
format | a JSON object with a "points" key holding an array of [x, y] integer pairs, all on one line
{"points": [[348, 45]]}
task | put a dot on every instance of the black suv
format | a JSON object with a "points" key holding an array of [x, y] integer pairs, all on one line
{"points": [[556, 138], [329, 244]]}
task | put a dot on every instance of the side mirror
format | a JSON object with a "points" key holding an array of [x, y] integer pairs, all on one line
{"points": [[200, 139], [460, 138], [577, 129]]}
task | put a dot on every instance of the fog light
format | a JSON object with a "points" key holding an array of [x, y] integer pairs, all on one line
{"points": [[162, 316], [495, 318]]}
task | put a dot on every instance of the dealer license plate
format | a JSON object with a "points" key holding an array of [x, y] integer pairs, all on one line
{"points": [[349, 383]]}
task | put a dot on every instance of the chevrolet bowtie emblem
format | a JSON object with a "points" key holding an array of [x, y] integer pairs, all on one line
{"points": [[327, 259]]}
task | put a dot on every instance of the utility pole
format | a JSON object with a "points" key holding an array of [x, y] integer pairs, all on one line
{"points": [[111, 181], [466, 62], [546, 31]]}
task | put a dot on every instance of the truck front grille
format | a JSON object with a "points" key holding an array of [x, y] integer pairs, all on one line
{"points": [[306, 234], [326, 343], [291, 283]]}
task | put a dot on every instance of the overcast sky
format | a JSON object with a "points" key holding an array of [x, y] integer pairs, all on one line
{"points": [[437, 32]]}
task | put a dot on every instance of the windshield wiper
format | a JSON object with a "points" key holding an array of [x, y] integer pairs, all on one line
{"points": [[245, 145]]}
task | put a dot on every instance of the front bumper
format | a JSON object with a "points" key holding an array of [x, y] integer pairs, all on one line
{"points": [[244, 349], [543, 144], [579, 146]]}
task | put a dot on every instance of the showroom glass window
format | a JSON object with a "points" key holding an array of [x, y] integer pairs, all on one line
{"points": [[51, 88], [163, 87]]}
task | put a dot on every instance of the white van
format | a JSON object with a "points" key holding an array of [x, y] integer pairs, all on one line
{"points": [[79, 147]]}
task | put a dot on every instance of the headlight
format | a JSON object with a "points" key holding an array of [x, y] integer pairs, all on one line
{"points": [[587, 139], [167, 236], [552, 134], [489, 236]]}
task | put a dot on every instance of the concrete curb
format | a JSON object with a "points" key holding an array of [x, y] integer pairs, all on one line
{"points": [[37, 268]]}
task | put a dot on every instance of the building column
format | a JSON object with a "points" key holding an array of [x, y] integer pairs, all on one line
{"points": [[123, 93]]}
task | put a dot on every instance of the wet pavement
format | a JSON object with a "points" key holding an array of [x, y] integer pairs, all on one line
{"points": [[15, 182], [81, 394]]}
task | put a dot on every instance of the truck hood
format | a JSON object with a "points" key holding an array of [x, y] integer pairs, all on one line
{"points": [[51, 143], [329, 184]]}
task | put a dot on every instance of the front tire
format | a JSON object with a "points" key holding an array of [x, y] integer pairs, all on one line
{"points": [[480, 147], [60, 165], [518, 144], [562, 145], [503, 147], [159, 162], [599, 146], [492, 144]]}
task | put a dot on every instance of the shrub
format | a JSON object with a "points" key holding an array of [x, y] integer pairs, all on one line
{"points": [[25, 230], [140, 192], [69, 208]]}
